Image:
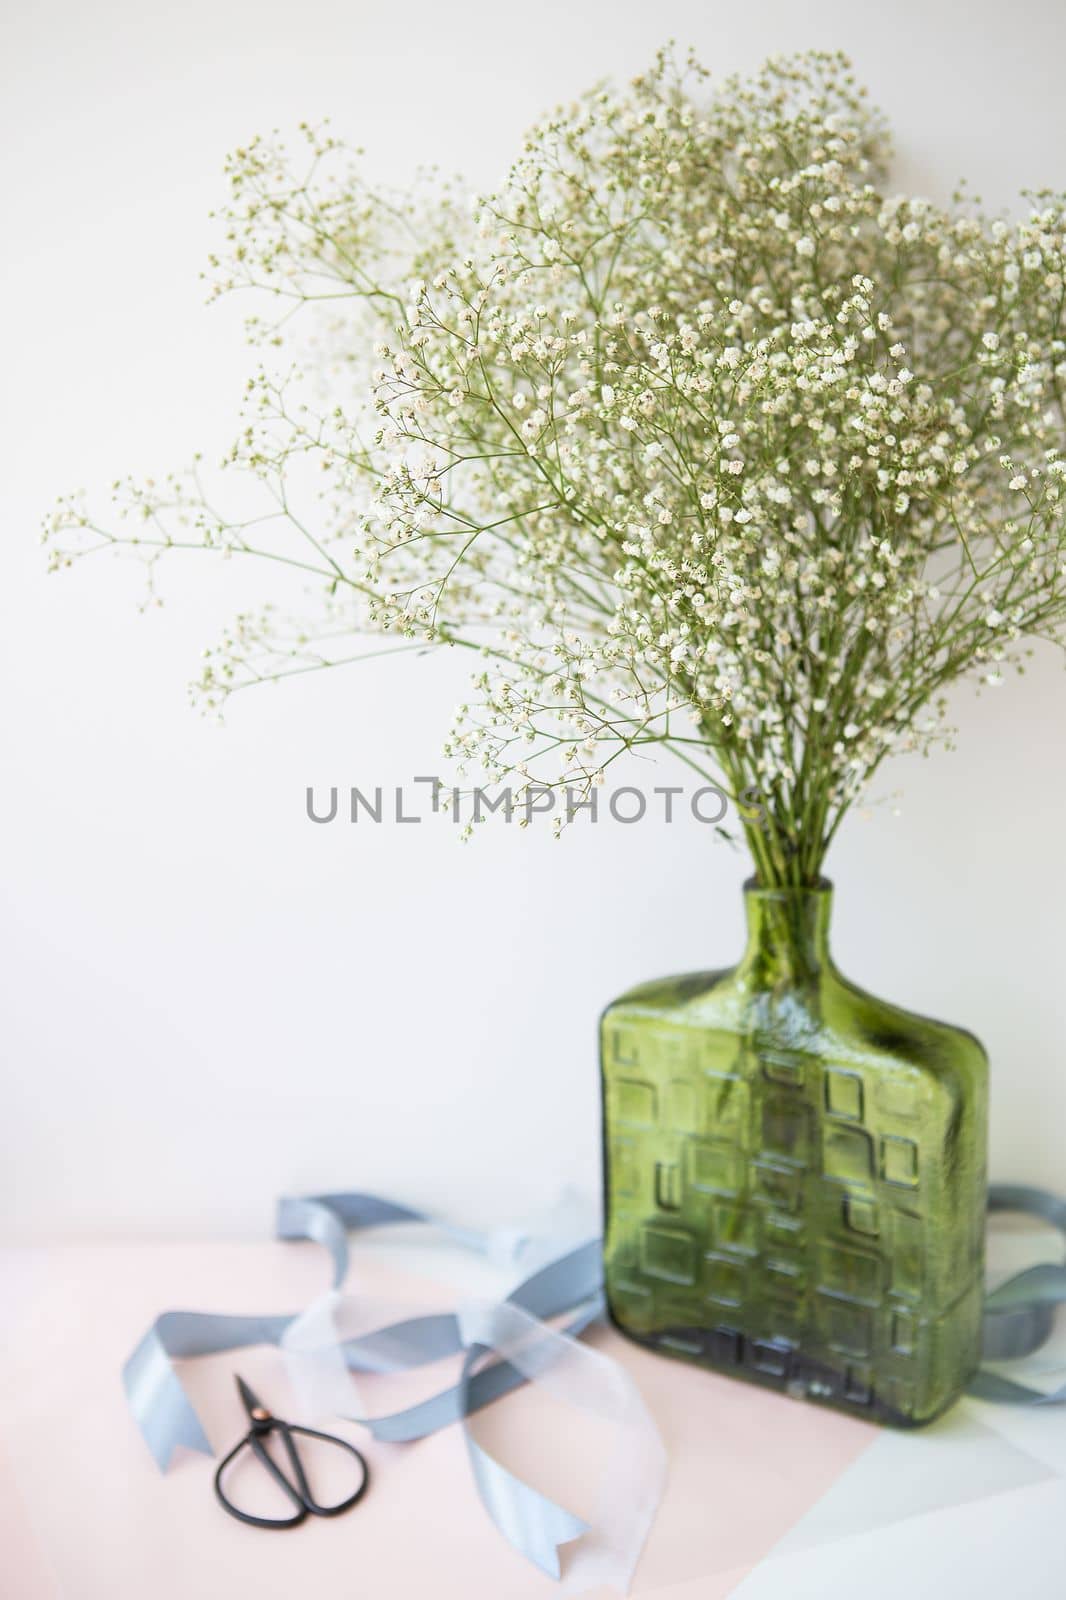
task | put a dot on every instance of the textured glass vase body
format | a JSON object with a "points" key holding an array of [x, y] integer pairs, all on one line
{"points": [[795, 1175]]}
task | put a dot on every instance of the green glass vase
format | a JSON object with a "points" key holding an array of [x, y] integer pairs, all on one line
{"points": [[795, 1175]]}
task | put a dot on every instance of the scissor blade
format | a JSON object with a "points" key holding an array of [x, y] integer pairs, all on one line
{"points": [[252, 1402]]}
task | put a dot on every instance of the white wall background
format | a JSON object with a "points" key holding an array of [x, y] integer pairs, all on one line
{"points": [[205, 1000]]}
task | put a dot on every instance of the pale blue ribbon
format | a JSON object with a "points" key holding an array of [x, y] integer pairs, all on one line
{"points": [[570, 1283], [1018, 1319], [1020, 1314]]}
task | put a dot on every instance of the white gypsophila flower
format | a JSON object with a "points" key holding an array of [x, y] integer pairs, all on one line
{"points": [[692, 434]]}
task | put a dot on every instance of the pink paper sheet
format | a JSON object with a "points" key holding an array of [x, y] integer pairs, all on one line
{"points": [[101, 1523]]}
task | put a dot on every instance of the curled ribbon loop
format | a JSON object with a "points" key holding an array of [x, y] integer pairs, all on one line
{"points": [[323, 1352], [1020, 1314]]}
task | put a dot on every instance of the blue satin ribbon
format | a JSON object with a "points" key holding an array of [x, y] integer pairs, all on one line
{"points": [[571, 1283], [1020, 1314], [1018, 1319]]}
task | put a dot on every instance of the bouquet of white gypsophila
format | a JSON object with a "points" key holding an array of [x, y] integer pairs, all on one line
{"points": [[692, 434]]}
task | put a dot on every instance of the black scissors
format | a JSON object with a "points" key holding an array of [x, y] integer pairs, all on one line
{"points": [[297, 1487]]}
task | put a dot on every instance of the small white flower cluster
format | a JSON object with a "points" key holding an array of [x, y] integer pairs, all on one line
{"points": [[694, 433]]}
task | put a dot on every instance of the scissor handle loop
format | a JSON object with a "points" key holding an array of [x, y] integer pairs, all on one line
{"points": [[309, 1502], [300, 1491]]}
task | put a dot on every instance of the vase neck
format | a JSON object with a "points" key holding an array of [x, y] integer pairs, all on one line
{"points": [[788, 933]]}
